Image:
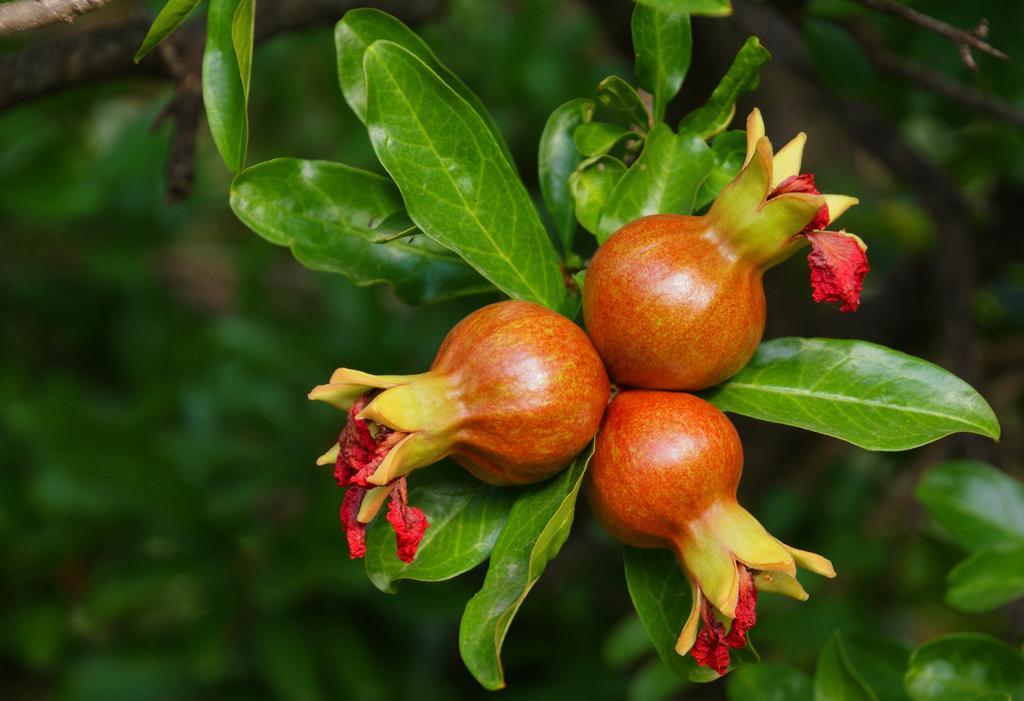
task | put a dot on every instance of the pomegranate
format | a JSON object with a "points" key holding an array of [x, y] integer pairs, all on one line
{"points": [[664, 475], [514, 393], [677, 302]]}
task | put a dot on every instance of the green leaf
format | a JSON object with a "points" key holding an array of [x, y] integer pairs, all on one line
{"points": [[618, 95], [170, 17], [241, 38], [768, 682], [535, 531], [597, 138], [729, 150], [465, 516], [224, 90], [664, 180], [360, 28], [711, 8], [964, 666], [329, 214], [661, 597], [880, 662], [986, 580], [979, 505], [835, 679], [457, 185], [869, 395], [742, 77], [556, 161], [591, 186], [663, 45]]}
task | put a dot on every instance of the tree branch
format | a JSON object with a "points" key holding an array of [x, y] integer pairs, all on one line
{"points": [[964, 40], [24, 15]]}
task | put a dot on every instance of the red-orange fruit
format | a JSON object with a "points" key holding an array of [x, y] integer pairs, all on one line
{"points": [[664, 474]]}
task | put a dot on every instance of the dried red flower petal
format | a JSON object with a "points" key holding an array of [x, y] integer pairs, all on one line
{"points": [[710, 649], [409, 522], [838, 265], [804, 183], [361, 450], [746, 610], [355, 532]]}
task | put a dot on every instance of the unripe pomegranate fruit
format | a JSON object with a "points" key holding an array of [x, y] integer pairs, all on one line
{"points": [[664, 475], [515, 392], [677, 302]]}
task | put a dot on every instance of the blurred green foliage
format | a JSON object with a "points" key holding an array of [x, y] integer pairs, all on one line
{"points": [[164, 532]]}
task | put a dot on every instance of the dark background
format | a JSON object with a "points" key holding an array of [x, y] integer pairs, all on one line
{"points": [[164, 533]]}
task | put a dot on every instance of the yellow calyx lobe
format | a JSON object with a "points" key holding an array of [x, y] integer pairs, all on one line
{"points": [[729, 557]]}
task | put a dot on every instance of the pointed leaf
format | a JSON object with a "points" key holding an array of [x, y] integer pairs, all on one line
{"points": [[465, 516], [729, 149], [711, 8], [664, 180], [359, 28], [663, 45], [742, 77], [556, 161], [224, 89], [979, 505], [964, 666], [535, 531], [986, 580], [170, 17], [329, 214], [597, 138], [869, 395], [457, 185], [242, 26], [591, 186], [618, 95], [835, 679]]}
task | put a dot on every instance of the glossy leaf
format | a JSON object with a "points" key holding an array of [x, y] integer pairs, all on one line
{"points": [[664, 180], [535, 531], [880, 662], [742, 77], [618, 95], [986, 580], [768, 682], [980, 506], [661, 596], [465, 516], [558, 157], [329, 214], [356, 32], [712, 8], [170, 17], [597, 138], [729, 149], [835, 679], [869, 395], [663, 45], [457, 185], [242, 26], [224, 91], [964, 666], [591, 186]]}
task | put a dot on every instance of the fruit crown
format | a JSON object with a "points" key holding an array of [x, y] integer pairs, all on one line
{"points": [[770, 210]]}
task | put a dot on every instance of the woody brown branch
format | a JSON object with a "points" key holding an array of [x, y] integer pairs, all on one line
{"points": [[25, 15]]}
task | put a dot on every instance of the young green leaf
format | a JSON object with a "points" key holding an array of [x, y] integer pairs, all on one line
{"points": [[964, 667], [535, 531], [618, 95], [662, 598], [662, 45], [742, 77], [360, 28], [980, 506], [869, 395], [664, 180], [591, 186], [242, 26], [768, 682], [465, 516], [597, 138], [986, 580], [456, 182], [556, 161], [224, 87], [835, 679], [729, 150], [711, 8], [170, 17], [329, 215]]}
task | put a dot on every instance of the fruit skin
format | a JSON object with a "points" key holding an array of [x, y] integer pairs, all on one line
{"points": [[668, 305]]}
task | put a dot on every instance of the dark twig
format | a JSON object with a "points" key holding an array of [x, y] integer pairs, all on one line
{"points": [[963, 39], [24, 15]]}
